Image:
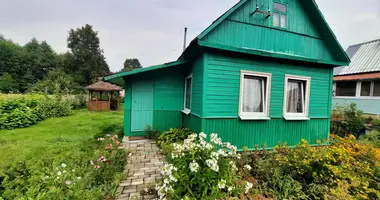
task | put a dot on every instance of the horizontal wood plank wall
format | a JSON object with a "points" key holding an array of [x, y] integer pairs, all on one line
{"points": [[224, 85], [197, 87], [367, 105], [222, 101], [301, 37]]}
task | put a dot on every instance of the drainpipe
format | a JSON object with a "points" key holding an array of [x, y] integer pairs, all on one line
{"points": [[184, 39]]}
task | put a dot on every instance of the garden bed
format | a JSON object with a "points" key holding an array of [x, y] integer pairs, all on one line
{"points": [[204, 167], [74, 157]]}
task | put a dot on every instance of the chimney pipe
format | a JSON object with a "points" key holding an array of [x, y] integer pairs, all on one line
{"points": [[184, 39]]}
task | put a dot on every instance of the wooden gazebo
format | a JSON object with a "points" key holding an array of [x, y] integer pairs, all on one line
{"points": [[103, 96]]}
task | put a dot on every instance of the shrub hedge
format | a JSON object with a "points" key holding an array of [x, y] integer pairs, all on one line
{"points": [[25, 111]]}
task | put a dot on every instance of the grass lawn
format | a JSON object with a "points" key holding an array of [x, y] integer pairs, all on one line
{"points": [[51, 134]]}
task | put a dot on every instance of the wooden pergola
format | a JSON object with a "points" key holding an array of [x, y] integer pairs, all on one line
{"points": [[103, 96]]}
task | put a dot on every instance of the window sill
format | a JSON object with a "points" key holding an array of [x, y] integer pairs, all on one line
{"points": [[186, 112], [254, 118], [292, 118]]}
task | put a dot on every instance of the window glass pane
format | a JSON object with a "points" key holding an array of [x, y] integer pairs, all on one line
{"points": [[188, 93], [253, 92], [283, 21], [279, 7], [295, 96], [346, 88], [376, 88], [276, 19], [365, 88]]}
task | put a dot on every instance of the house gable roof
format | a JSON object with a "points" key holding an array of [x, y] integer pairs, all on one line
{"points": [[331, 43], [365, 59]]}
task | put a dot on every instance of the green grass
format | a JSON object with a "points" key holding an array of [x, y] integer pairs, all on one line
{"points": [[56, 133]]}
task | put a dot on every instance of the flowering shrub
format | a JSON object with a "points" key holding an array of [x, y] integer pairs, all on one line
{"points": [[90, 171], [346, 169], [202, 170]]}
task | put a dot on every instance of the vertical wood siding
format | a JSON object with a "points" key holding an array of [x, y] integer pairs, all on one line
{"points": [[242, 30], [271, 132], [167, 99]]}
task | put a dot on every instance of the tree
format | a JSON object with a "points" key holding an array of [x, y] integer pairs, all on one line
{"points": [[131, 64], [56, 81], [7, 84], [88, 58]]}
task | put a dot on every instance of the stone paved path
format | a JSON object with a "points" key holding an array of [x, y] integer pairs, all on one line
{"points": [[144, 161]]}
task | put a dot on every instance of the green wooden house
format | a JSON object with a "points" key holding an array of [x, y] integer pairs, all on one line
{"points": [[260, 73]]}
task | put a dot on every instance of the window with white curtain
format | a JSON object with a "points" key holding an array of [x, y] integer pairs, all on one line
{"points": [[187, 94], [279, 15], [297, 94], [254, 95]]}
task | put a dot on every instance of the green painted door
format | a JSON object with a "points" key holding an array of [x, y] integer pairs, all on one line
{"points": [[142, 105]]}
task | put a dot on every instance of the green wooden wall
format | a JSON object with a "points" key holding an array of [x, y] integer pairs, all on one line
{"points": [[221, 86], [167, 99], [223, 77], [301, 37]]}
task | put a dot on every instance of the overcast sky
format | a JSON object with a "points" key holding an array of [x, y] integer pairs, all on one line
{"points": [[152, 30]]}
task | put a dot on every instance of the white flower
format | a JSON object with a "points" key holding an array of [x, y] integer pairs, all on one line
{"points": [[192, 137], [230, 189], [79, 177], [248, 186], [146, 189], [59, 173], [194, 166], [91, 162], [215, 155], [108, 135], [215, 139], [233, 165], [68, 182], [73, 170], [222, 184], [212, 164], [172, 178], [202, 135], [222, 153], [247, 167], [63, 165]]}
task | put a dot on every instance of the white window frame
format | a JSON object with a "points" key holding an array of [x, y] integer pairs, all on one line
{"points": [[305, 114], [359, 91], [187, 110], [266, 97]]}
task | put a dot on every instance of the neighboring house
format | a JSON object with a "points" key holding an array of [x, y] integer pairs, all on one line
{"points": [[251, 77], [360, 81]]}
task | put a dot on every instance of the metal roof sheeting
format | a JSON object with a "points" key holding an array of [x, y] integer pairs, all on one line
{"points": [[365, 57]]}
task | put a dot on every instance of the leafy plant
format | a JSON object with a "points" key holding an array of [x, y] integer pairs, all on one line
{"points": [[352, 120], [174, 135], [202, 170], [347, 169]]}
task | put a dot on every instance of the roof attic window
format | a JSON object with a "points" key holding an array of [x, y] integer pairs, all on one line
{"points": [[279, 15]]}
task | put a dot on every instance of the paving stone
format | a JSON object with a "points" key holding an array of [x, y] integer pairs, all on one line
{"points": [[144, 160]]}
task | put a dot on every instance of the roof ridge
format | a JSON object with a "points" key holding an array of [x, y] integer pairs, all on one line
{"points": [[376, 40]]}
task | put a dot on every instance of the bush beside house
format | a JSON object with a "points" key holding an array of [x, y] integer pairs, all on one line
{"points": [[346, 169]]}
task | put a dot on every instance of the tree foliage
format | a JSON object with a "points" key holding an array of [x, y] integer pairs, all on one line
{"points": [[131, 64], [56, 81], [87, 55], [27, 68]]}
